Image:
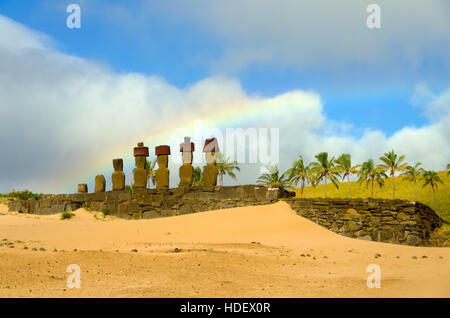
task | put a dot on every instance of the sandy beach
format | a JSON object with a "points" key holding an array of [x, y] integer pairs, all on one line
{"points": [[258, 251]]}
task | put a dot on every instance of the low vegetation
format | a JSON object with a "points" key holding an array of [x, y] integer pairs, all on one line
{"points": [[104, 211], [197, 176], [67, 215], [394, 177], [23, 195], [405, 190]]}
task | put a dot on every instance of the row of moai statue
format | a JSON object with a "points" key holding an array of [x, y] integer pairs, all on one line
{"points": [[141, 174]]}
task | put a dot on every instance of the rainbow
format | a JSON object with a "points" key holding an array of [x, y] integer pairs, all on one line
{"points": [[243, 113]]}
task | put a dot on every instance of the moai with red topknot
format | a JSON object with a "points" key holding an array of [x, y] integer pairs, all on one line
{"points": [[186, 170], [162, 173], [210, 171], [140, 173]]}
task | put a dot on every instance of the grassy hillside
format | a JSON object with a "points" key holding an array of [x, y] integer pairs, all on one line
{"points": [[403, 190]]}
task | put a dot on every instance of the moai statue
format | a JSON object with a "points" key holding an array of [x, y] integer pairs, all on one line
{"points": [[186, 170], [100, 183], [82, 188], [140, 173], [118, 177], [162, 173], [210, 171]]}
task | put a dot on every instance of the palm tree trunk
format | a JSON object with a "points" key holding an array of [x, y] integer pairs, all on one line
{"points": [[302, 189], [349, 186], [325, 186], [393, 186], [435, 202], [372, 188], [221, 180], [415, 191]]}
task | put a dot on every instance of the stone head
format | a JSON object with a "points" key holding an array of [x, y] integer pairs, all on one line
{"points": [[82, 188], [187, 157], [140, 162], [118, 164], [211, 145], [163, 161], [210, 157]]}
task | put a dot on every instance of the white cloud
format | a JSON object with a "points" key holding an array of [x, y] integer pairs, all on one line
{"points": [[62, 118], [434, 106], [322, 33]]}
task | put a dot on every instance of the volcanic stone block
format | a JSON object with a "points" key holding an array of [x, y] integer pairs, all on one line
{"points": [[272, 194], [227, 193], [100, 183], [210, 171], [162, 173], [186, 170], [260, 193], [118, 177], [140, 174], [82, 188], [151, 215]]}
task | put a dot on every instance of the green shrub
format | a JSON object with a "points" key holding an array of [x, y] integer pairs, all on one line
{"points": [[66, 215], [87, 209], [105, 212], [24, 195]]}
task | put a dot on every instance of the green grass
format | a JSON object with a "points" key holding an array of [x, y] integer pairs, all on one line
{"points": [[23, 195], [66, 215], [105, 212], [403, 190]]}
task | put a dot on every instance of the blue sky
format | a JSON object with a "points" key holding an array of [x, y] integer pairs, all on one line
{"points": [[356, 92], [367, 79]]}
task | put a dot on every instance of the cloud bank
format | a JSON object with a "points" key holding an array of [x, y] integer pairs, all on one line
{"points": [[322, 33], [63, 118]]}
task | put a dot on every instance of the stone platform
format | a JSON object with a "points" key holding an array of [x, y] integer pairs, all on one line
{"points": [[394, 221]]}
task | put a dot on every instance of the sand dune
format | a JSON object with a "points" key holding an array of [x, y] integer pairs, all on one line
{"points": [[260, 251], [3, 208]]}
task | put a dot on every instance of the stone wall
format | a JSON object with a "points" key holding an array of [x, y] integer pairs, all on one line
{"points": [[152, 203], [394, 221]]}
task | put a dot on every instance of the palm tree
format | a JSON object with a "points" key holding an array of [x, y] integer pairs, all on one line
{"points": [[412, 173], [299, 173], [325, 169], [273, 178], [370, 173], [197, 176], [225, 166], [392, 163], [345, 165], [432, 179], [151, 171], [448, 169]]}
